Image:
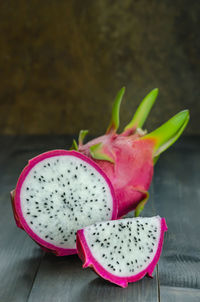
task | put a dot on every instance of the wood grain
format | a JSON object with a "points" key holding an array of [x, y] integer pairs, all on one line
{"points": [[177, 197], [26, 274], [19, 256], [179, 294]]}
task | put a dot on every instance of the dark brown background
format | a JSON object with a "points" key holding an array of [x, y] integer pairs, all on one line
{"points": [[62, 62]]}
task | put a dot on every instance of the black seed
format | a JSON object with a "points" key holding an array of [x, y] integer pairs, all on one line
{"points": [[27, 199]]}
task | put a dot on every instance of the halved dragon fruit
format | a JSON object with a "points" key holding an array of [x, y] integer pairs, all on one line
{"points": [[59, 192], [128, 158], [124, 250]]}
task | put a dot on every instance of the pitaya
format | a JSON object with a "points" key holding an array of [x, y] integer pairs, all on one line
{"points": [[59, 192], [123, 250], [128, 158]]}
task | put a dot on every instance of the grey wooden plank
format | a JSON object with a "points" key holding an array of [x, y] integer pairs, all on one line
{"points": [[19, 255], [63, 279], [177, 197], [179, 294]]}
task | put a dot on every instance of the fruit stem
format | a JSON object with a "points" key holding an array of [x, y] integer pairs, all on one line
{"points": [[74, 146], [114, 123], [142, 203], [142, 111], [169, 132], [82, 135], [97, 152]]}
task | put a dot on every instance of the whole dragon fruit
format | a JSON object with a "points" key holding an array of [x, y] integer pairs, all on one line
{"points": [[128, 158], [124, 250], [59, 192]]}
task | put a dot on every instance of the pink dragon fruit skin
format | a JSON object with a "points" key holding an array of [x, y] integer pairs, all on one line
{"points": [[89, 260], [132, 172], [16, 200], [128, 158]]}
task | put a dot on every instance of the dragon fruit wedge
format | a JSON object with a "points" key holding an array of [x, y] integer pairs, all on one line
{"points": [[59, 192], [128, 158], [123, 250]]}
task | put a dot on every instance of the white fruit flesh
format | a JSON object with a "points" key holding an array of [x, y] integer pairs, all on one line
{"points": [[124, 247], [62, 194]]}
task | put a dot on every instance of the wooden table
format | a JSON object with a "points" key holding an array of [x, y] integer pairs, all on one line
{"points": [[28, 274]]}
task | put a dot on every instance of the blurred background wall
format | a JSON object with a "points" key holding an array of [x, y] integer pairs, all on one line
{"points": [[62, 62]]}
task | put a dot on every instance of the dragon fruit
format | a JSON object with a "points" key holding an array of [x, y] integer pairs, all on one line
{"points": [[123, 250], [128, 158], [59, 192]]}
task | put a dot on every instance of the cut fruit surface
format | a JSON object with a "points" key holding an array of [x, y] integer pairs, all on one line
{"points": [[124, 250], [59, 192]]}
